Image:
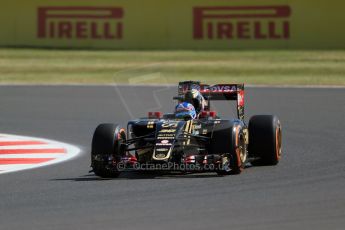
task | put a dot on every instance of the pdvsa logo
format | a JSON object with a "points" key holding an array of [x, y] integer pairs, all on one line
{"points": [[242, 23], [80, 22], [220, 88]]}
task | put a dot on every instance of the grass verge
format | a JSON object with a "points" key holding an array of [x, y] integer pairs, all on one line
{"points": [[36, 66]]}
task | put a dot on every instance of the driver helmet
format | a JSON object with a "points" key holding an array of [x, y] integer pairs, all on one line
{"points": [[185, 110], [195, 98]]}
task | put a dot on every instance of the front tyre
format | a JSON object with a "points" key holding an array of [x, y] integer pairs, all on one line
{"points": [[107, 150], [265, 139], [228, 140]]}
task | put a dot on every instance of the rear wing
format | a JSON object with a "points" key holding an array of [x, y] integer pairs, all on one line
{"points": [[234, 92]]}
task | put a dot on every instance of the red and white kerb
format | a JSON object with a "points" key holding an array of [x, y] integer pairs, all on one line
{"points": [[22, 152]]}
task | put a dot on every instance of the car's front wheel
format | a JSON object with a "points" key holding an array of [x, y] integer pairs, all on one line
{"points": [[107, 150], [265, 139], [228, 139]]}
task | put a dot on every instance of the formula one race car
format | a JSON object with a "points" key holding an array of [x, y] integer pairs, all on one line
{"points": [[193, 139]]}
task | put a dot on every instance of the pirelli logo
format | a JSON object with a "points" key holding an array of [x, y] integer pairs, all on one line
{"points": [[242, 23], [80, 22]]}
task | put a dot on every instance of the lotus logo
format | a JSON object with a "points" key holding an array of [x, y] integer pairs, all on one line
{"points": [[161, 155]]}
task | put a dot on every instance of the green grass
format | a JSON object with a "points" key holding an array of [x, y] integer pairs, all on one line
{"points": [[251, 67]]}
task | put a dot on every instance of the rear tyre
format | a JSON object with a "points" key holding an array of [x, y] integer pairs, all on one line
{"points": [[265, 139], [107, 150], [228, 140]]}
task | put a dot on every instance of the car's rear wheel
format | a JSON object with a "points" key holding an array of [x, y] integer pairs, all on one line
{"points": [[228, 140], [265, 139], [107, 150]]}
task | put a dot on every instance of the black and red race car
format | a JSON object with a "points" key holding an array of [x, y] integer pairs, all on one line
{"points": [[163, 142]]}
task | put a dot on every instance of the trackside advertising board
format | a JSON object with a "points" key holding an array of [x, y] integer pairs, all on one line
{"points": [[180, 24]]}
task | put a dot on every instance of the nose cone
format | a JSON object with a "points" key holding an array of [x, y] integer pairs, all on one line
{"points": [[163, 149], [166, 133]]}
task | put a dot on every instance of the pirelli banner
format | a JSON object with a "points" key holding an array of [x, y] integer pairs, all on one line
{"points": [[178, 24]]}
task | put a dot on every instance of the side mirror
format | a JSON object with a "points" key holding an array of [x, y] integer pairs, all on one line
{"points": [[155, 115], [179, 98]]}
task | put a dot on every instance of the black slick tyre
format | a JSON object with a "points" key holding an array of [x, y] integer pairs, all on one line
{"points": [[228, 141], [265, 139], [107, 150]]}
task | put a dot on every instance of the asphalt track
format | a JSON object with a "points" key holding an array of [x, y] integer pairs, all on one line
{"points": [[305, 191]]}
